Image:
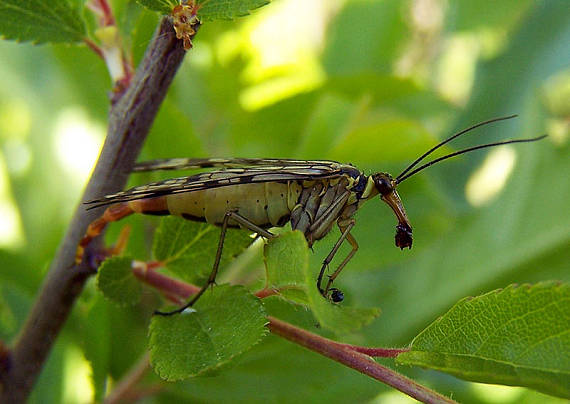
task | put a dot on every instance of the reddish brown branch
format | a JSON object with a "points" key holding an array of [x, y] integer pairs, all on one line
{"points": [[355, 360], [94, 47], [375, 352], [353, 356], [129, 122], [102, 9], [172, 288]]}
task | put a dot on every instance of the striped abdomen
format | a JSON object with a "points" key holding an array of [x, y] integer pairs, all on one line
{"points": [[265, 204]]}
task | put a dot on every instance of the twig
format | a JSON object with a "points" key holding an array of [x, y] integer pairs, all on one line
{"points": [[102, 9], [124, 389], [94, 47], [375, 352], [355, 360], [130, 119], [110, 47], [352, 356], [171, 287]]}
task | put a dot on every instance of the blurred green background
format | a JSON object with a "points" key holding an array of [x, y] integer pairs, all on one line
{"points": [[373, 83]]}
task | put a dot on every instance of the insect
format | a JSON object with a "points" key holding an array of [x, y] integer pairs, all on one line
{"points": [[258, 194]]}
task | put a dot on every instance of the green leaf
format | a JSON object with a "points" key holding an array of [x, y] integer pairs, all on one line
{"points": [[382, 88], [349, 46], [116, 280], [41, 21], [523, 235], [286, 310], [228, 9], [188, 248], [518, 336], [326, 124], [286, 261], [363, 142], [162, 6], [225, 322], [339, 318], [211, 9], [468, 15]]}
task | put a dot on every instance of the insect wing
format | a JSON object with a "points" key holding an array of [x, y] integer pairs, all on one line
{"points": [[190, 163], [224, 178]]}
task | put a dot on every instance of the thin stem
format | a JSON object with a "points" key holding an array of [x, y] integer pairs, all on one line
{"points": [[266, 292], [103, 10], [169, 286], [375, 352], [125, 388], [94, 47], [355, 357], [129, 122], [110, 47], [355, 360]]}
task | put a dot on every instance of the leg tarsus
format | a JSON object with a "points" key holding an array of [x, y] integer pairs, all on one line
{"points": [[345, 233], [332, 277]]}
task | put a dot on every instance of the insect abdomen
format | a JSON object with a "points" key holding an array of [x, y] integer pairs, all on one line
{"points": [[265, 204]]}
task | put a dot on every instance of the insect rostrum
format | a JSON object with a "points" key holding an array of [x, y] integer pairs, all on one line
{"points": [[258, 194]]}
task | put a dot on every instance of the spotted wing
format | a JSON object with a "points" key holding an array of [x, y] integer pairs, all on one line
{"points": [[190, 163], [225, 178]]}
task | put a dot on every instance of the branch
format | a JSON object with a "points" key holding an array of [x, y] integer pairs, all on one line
{"points": [[129, 122], [355, 357], [355, 360]]}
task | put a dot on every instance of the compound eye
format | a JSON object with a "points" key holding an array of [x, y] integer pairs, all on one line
{"points": [[383, 184]]}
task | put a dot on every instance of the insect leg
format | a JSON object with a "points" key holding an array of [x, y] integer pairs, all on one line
{"points": [[212, 278], [345, 234], [354, 245], [117, 211], [111, 214]]}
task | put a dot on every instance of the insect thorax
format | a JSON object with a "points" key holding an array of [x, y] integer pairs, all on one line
{"points": [[319, 202]]}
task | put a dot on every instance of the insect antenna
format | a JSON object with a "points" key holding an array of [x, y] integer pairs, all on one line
{"points": [[401, 177], [449, 139]]}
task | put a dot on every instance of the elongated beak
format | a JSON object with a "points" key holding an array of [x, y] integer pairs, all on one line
{"points": [[403, 236]]}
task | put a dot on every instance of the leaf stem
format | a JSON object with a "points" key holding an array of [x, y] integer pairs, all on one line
{"points": [[110, 48], [355, 360], [375, 352], [94, 47], [355, 357], [103, 10], [144, 271], [125, 390]]}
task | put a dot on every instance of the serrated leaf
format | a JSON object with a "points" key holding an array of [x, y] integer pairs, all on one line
{"points": [[518, 336], [286, 260], [188, 248], [41, 21], [225, 322], [116, 280], [228, 9], [162, 6], [211, 9]]}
